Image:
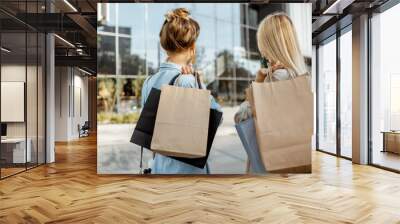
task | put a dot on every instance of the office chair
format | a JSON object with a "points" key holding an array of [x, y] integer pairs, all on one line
{"points": [[84, 130]]}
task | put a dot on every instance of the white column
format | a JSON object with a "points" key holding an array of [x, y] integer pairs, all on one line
{"points": [[50, 99], [360, 90]]}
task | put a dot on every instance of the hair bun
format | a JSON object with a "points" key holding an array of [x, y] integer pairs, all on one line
{"points": [[180, 13]]}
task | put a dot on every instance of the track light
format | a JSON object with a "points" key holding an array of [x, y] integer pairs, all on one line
{"points": [[70, 5], [84, 71], [64, 40], [337, 7], [5, 50]]}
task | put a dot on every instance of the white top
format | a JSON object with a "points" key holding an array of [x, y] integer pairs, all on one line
{"points": [[279, 74]]}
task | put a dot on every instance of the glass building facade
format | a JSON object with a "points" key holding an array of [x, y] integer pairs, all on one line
{"points": [[129, 49]]}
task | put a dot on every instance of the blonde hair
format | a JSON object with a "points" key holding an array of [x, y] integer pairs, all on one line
{"points": [[179, 31], [277, 41]]}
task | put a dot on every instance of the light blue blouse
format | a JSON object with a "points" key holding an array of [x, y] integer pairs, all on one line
{"points": [[162, 164]]}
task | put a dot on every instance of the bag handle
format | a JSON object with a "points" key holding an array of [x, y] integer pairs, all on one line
{"points": [[171, 83], [291, 78], [196, 75], [141, 161]]}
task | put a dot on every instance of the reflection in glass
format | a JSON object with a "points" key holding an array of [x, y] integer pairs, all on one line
{"points": [[14, 153], [22, 80], [253, 17], [31, 98], [203, 9], [131, 64], [224, 12], [253, 40], [327, 97], [41, 99], [106, 54], [223, 52], [226, 50], [225, 35]]}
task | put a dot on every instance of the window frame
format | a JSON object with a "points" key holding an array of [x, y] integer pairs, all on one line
{"points": [[334, 37]]}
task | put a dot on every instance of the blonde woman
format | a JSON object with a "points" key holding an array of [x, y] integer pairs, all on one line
{"points": [[278, 44], [178, 37]]}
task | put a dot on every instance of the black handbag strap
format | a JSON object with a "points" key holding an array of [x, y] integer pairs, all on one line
{"points": [[196, 75], [141, 161], [171, 83]]}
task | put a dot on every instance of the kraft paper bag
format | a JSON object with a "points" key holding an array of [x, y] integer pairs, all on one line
{"points": [[182, 120], [213, 124], [284, 123]]}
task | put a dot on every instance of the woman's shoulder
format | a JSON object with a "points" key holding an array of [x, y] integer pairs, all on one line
{"points": [[186, 81], [281, 74]]}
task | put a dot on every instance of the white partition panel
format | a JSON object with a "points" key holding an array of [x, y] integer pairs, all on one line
{"points": [[12, 101]]}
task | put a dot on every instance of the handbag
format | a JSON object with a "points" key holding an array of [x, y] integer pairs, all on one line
{"points": [[143, 132], [144, 128], [247, 134]]}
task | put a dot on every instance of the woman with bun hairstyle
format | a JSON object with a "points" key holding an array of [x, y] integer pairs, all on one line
{"points": [[178, 36], [278, 44]]}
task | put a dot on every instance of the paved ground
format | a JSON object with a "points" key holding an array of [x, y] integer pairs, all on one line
{"points": [[116, 155]]}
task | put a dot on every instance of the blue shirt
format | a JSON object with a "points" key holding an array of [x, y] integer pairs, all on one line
{"points": [[163, 164]]}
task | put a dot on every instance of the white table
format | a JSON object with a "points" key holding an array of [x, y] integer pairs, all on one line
{"points": [[18, 145]]}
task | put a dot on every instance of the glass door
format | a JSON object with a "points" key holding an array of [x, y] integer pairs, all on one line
{"points": [[326, 96], [22, 95], [13, 94], [385, 90]]}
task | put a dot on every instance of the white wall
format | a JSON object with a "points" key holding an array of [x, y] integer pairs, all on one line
{"points": [[15, 73], [62, 81], [70, 83], [79, 117]]}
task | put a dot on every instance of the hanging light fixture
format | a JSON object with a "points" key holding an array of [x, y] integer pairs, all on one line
{"points": [[64, 40], [5, 50], [70, 5]]}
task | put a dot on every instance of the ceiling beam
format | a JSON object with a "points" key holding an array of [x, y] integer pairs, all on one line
{"points": [[337, 7], [77, 61]]}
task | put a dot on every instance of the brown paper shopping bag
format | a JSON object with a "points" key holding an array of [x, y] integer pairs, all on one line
{"points": [[181, 126], [284, 123]]}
